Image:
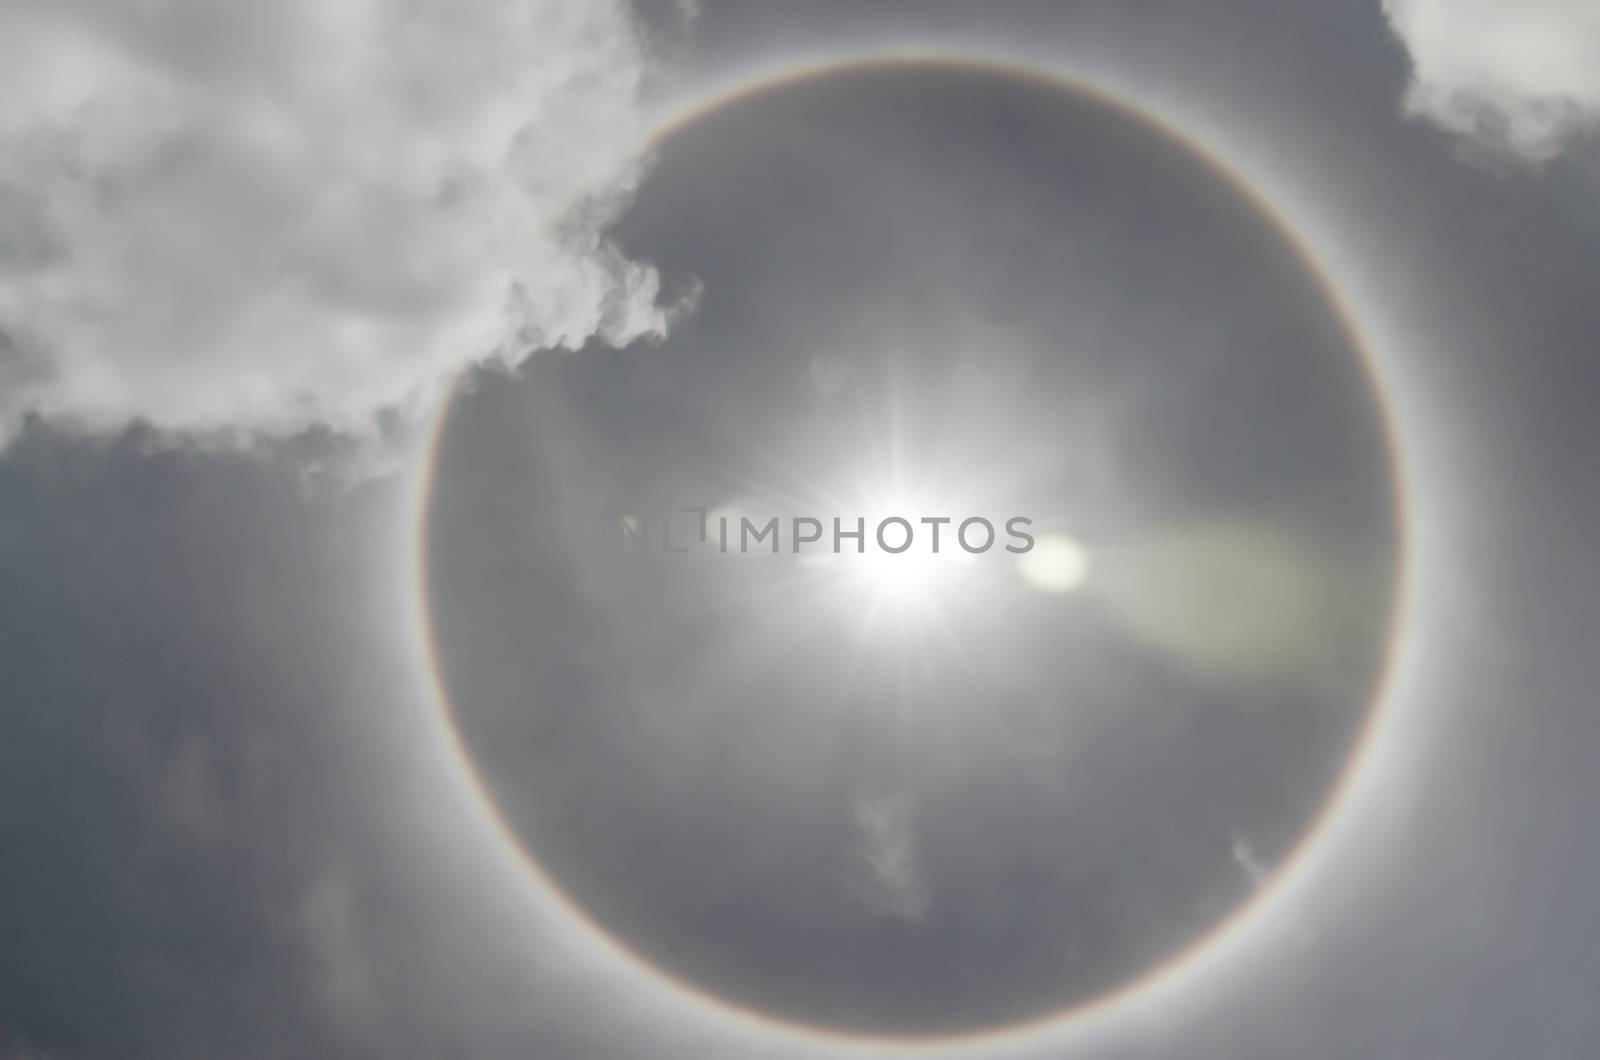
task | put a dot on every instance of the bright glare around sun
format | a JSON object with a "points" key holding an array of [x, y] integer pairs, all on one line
{"points": [[910, 579], [907, 584], [913, 570]]}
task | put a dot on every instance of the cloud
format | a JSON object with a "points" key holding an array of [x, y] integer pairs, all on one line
{"points": [[272, 216], [1244, 856], [1523, 76], [895, 884], [331, 931], [19, 1050]]}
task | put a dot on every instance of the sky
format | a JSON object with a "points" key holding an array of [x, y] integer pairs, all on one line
{"points": [[1283, 331]]}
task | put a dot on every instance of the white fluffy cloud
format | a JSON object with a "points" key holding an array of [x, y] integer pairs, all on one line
{"points": [[262, 216], [1523, 74]]}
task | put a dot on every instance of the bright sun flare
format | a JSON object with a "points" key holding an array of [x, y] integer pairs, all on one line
{"points": [[935, 574]]}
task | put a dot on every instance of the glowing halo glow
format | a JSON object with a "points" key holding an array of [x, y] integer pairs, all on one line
{"points": [[1397, 618]]}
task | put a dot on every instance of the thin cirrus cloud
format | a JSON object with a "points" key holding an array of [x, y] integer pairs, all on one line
{"points": [[263, 217], [1522, 75]]}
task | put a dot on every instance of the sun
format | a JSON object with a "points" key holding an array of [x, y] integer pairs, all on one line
{"points": [[915, 579]]}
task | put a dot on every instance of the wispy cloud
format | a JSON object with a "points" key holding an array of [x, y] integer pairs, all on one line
{"points": [[894, 880], [1521, 75], [1244, 856], [269, 216]]}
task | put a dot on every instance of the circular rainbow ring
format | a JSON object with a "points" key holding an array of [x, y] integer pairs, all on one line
{"points": [[1048, 78]]}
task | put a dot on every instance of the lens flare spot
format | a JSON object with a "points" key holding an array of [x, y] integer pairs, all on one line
{"points": [[1055, 564]]}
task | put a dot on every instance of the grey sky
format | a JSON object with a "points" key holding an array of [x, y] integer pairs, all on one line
{"points": [[229, 826]]}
